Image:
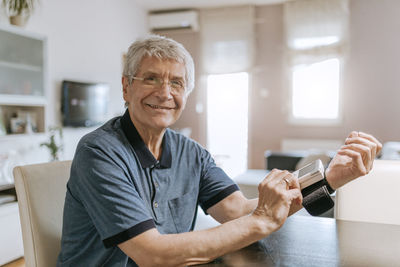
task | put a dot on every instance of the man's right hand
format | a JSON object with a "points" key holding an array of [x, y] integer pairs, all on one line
{"points": [[277, 192]]}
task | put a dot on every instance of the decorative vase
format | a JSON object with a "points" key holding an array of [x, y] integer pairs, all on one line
{"points": [[19, 20]]}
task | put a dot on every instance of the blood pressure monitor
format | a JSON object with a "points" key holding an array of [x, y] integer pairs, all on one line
{"points": [[310, 174], [314, 188]]}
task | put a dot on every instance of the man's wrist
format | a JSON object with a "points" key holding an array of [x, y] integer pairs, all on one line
{"points": [[261, 225], [329, 182], [328, 186]]}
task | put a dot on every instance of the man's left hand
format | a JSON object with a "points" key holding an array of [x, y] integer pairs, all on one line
{"points": [[353, 160]]}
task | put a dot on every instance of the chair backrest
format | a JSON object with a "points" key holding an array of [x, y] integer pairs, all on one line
{"points": [[373, 198], [41, 192]]}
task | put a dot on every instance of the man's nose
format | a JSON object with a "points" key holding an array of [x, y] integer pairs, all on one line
{"points": [[164, 90]]}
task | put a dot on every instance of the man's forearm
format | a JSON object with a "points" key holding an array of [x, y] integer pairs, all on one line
{"points": [[196, 247], [252, 204], [236, 206], [232, 207]]}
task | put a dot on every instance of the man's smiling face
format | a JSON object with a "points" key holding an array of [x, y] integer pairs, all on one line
{"points": [[155, 107]]}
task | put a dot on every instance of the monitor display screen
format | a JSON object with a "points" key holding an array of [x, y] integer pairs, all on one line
{"points": [[84, 104]]}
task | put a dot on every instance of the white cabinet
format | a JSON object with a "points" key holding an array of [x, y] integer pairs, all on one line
{"points": [[23, 79], [23, 71], [11, 246]]}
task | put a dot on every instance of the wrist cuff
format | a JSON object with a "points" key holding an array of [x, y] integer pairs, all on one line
{"points": [[317, 199]]}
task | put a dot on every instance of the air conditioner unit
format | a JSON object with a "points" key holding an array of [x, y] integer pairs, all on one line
{"points": [[174, 20]]}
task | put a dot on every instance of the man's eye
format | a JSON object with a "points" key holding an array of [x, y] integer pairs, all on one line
{"points": [[150, 79], [177, 83]]}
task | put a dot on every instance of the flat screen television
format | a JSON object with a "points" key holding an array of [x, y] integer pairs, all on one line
{"points": [[84, 104]]}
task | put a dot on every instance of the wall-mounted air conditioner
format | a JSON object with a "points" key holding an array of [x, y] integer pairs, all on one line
{"points": [[174, 20]]}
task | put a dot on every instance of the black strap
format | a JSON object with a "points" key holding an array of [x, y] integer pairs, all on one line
{"points": [[317, 199], [311, 188]]}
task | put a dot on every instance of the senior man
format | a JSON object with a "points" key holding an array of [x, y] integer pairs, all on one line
{"points": [[135, 184]]}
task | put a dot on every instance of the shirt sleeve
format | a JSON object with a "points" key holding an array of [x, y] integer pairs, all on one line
{"points": [[215, 184], [101, 183]]}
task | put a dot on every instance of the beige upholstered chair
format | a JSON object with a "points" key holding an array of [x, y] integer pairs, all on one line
{"points": [[41, 191], [374, 198]]}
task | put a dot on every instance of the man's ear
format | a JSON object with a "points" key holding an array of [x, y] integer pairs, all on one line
{"points": [[125, 83], [125, 88]]}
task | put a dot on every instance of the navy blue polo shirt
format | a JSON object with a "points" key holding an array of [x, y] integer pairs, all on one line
{"points": [[117, 190]]}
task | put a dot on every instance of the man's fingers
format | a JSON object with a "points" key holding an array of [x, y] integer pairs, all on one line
{"points": [[278, 180], [357, 159], [279, 176], [365, 152], [372, 139], [353, 134], [276, 196], [272, 180], [295, 195], [369, 137], [270, 176], [293, 181], [365, 142]]}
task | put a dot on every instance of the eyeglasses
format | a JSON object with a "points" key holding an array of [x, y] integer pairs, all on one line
{"points": [[176, 85]]}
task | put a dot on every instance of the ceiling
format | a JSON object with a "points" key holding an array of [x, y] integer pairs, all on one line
{"points": [[178, 4]]}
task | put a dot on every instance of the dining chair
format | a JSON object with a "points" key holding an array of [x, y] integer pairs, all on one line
{"points": [[41, 192]]}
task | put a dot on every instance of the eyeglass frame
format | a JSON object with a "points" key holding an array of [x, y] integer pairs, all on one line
{"points": [[159, 82]]}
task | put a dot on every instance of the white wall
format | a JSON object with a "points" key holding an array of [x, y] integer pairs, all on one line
{"points": [[371, 80], [86, 40]]}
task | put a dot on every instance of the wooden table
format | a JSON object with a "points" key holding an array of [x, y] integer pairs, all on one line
{"points": [[314, 241]]}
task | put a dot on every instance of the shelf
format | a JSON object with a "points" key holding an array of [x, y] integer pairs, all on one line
{"points": [[20, 66], [20, 31], [22, 100], [15, 116], [14, 137], [6, 186]]}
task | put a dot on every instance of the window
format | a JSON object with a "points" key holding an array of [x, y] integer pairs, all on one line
{"points": [[227, 55], [315, 92], [227, 120], [316, 37]]}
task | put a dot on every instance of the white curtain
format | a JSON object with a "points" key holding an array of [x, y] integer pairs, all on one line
{"points": [[227, 39], [316, 36], [316, 29]]}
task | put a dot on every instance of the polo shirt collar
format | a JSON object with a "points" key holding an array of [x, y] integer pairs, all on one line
{"points": [[145, 157]]}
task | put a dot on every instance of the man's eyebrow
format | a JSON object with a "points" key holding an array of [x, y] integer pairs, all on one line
{"points": [[178, 77], [149, 72]]}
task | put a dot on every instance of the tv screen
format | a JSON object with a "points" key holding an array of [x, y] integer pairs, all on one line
{"points": [[84, 104]]}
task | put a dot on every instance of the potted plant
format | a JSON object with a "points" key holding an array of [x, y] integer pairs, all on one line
{"points": [[54, 144], [18, 11]]}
